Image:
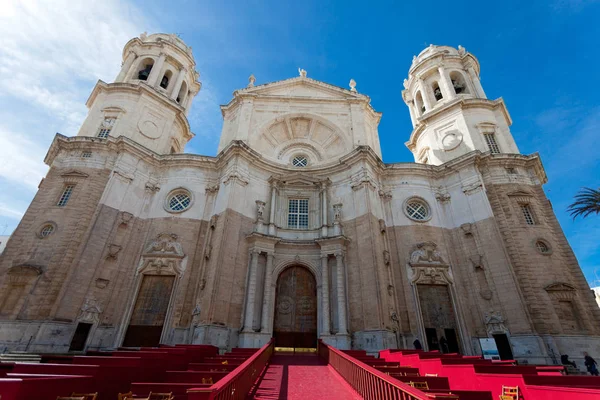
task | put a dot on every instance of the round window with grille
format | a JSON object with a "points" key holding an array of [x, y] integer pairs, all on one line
{"points": [[542, 247], [300, 161], [46, 230], [417, 210], [178, 201]]}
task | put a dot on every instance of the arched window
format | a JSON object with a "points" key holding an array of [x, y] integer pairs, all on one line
{"points": [[146, 67], [164, 82], [437, 91], [419, 103], [458, 82], [182, 93]]}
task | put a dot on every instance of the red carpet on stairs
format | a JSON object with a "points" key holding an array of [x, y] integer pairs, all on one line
{"points": [[301, 377]]}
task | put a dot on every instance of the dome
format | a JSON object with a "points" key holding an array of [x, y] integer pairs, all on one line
{"points": [[433, 50], [171, 38]]}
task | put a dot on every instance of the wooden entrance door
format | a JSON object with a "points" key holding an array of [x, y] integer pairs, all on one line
{"points": [[148, 317], [296, 309], [439, 319]]}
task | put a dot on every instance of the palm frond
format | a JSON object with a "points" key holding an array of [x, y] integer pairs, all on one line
{"points": [[587, 202]]}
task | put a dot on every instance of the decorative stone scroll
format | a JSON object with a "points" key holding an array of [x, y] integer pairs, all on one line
{"points": [[163, 256], [124, 218], [427, 265]]}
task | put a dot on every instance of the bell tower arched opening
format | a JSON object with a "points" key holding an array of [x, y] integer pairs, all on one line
{"points": [[295, 321]]}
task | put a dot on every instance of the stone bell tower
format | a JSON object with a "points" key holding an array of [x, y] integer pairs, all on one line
{"points": [[450, 112], [150, 98]]}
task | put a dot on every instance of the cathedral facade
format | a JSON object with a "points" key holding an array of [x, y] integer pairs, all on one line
{"points": [[296, 230]]}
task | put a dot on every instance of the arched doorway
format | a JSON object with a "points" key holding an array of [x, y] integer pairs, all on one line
{"points": [[296, 309]]}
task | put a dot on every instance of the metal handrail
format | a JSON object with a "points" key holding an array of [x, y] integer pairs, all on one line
{"points": [[237, 384], [369, 382]]}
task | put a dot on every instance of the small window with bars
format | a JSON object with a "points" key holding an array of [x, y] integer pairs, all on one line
{"points": [[86, 154], [106, 127], [527, 214], [490, 139], [65, 196], [298, 213]]}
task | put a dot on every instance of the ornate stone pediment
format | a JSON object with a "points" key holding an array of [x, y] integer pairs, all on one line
{"points": [[426, 254], [90, 311], [494, 323], [301, 87], [561, 291], [164, 256], [299, 179], [559, 287], [427, 265], [165, 245], [73, 176], [521, 196]]}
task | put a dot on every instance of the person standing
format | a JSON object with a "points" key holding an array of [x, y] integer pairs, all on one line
{"points": [[417, 344], [590, 363]]}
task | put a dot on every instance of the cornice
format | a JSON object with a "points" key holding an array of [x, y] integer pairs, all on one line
{"points": [[123, 144], [240, 149], [463, 104], [138, 88]]}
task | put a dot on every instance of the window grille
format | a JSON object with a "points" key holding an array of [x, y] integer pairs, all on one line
{"points": [[179, 201], [46, 231], [106, 127], [66, 194], [490, 139], [417, 210], [300, 161], [527, 214], [298, 213], [542, 247], [86, 154]]}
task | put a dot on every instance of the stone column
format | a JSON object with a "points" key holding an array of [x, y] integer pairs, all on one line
{"points": [[264, 326], [251, 296], [411, 110], [324, 210], [446, 84], [156, 69], [272, 210], [341, 294], [126, 66], [425, 95], [476, 82], [178, 83], [325, 293]]}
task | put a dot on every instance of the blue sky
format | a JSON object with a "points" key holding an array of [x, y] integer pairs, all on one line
{"points": [[541, 56]]}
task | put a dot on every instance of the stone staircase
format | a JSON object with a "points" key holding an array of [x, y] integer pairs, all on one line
{"points": [[19, 356]]}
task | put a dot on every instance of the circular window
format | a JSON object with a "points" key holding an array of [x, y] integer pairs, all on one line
{"points": [[178, 201], [542, 247], [300, 161], [46, 230], [417, 210]]}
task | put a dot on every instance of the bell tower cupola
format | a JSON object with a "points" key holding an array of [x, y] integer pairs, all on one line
{"points": [[449, 110], [150, 98]]}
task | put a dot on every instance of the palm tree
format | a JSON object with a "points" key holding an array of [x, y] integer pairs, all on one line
{"points": [[587, 202]]}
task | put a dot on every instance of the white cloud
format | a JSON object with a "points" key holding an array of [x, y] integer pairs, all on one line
{"points": [[52, 53]]}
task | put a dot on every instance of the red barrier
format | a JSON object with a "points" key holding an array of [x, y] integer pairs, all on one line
{"points": [[42, 387], [194, 376], [369, 382], [179, 390], [237, 384]]}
